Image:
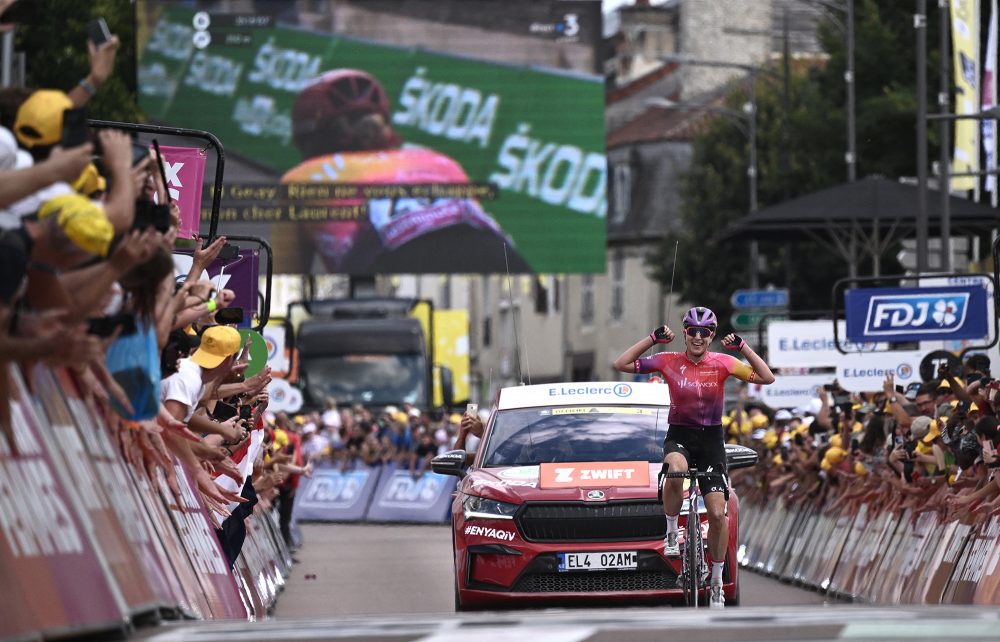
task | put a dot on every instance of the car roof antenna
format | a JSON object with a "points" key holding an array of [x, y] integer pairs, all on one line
{"points": [[513, 317]]}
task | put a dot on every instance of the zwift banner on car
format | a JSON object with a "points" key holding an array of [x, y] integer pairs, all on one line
{"points": [[897, 315], [525, 140]]}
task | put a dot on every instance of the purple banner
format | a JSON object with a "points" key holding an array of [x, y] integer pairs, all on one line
{"points": [[241, 275], [400, 497], [333, 495]]}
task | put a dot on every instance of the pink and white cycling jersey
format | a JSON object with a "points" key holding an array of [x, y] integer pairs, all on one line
{"points": [[696, 389]]}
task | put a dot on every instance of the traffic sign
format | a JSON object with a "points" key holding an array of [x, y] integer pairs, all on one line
{"points": [[759, 299], [750, 319]]}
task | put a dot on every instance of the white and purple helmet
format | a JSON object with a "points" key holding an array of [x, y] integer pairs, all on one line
{"points": [[700, 316]]}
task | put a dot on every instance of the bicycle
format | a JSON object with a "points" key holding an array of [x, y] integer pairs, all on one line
{"points": [[694, 569]]}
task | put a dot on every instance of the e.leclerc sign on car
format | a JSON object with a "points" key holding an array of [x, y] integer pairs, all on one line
{"points": [[916, 314]]}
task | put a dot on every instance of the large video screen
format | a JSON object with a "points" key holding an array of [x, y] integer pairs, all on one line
{"points": [[394, 136]]}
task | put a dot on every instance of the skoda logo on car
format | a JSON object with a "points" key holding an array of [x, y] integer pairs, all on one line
{"points": [[595, 495]]}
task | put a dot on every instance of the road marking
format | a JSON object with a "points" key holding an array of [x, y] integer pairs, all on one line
{"points": [[506, 633], [933, 629]]}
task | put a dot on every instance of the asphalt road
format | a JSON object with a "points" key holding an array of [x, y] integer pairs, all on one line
{"points": [[368, 569], [377, 583]]}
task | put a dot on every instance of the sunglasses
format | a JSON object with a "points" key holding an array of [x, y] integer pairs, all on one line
{"points": [[698, 331]]}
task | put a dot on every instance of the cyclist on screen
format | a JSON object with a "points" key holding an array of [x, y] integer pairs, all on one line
{"points": [[696, 379]]}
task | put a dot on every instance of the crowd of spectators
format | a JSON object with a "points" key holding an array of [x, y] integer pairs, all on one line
{"points": [[931, 445], [358, 436], [87, 282]]}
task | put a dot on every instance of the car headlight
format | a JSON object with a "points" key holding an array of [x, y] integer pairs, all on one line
{"points": [[487, 508]]}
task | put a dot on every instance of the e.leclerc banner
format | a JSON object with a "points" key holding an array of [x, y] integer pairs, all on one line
{"points": [[537, 135]]}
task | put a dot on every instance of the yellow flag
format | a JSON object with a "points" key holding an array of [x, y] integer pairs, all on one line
{"points": [[965, 62]]}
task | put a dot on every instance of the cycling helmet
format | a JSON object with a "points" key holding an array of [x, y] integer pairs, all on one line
{"points": [[701, 317], [326, 109]]}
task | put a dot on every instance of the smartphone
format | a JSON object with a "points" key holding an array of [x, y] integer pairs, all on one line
{"points": [[229, 252], [105, 326], [829, 387], [223, 412], [901, 390], [23, 12], [74, 128], [150, 214], [246, 412], [472, 409], [97, 31], [139, 153], [229, 315]]}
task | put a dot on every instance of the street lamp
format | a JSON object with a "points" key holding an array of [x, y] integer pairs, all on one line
{"points": [[750, 110]]}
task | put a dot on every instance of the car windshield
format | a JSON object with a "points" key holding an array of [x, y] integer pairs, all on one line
{"points": [[369, 379], [530, 436]]}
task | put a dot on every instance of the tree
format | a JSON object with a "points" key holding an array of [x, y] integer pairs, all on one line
{"points": [[799, 151], [56, 50]]}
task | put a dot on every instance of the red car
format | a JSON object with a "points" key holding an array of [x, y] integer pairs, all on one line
{"points": [[559, 505]]}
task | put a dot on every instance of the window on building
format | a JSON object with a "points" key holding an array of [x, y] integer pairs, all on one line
{"points": [[622, 191], [617, 285], [587, 299]]}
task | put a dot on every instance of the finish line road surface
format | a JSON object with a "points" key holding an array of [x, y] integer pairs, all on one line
{"points": [[368, 582]]}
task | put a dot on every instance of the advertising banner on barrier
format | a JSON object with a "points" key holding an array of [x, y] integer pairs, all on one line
{"points": [[185, 170], [241, 275], [793, 391], [67, 443], [53, 579], [197, 534], [810, 344], [333, 495], [865, 372], [401, 498], [917, 314]]}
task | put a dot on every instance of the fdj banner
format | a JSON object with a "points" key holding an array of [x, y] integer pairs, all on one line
{"points": [[917, 314], [185, 171], [400, 497], [534, 137], [333, 495]]}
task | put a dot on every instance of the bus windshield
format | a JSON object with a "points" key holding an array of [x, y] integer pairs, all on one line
{"points": [[368, 379]]}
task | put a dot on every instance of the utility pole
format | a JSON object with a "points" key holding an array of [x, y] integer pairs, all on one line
{"points": [[920, 24], [945, 160]]}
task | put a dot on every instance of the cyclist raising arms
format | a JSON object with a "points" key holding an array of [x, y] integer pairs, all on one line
{"points": [[695, 437]]}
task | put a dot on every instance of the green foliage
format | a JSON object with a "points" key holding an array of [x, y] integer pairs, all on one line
{"points": [[56, 48], [800, 150]]}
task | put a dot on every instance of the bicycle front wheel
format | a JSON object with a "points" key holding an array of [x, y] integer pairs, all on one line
{"points": [[692, 550]]}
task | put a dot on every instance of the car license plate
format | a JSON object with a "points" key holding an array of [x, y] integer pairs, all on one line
{"points": [[611, 561]]}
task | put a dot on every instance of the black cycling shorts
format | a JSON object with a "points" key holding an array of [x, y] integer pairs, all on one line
{"points": [[704, 449]]}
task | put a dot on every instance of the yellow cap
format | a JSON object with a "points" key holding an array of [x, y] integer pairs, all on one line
{"points": [[933, 433], [455, 418], [746, 427], [825, 464], [217, 343], [777, 460], [83, 221], [836, 441], [300, 419], [770, 439], [759, 421], [90, 182], [973, 408], [859, 469], [857, 427], [39, 120], [835, 454]]}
